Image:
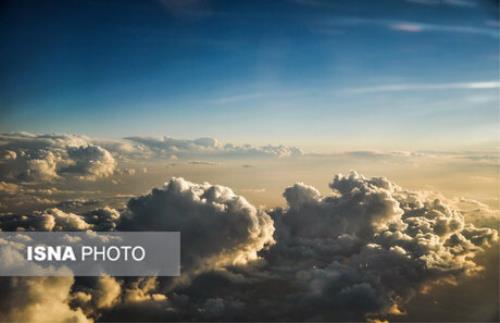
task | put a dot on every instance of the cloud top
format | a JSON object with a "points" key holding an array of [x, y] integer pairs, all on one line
{"points": [[166, 146], [218, 227], [31, 157]]}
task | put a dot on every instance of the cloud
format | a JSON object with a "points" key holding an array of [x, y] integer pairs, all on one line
{"points": [[103, 219], [23, 196], [372, 245], [360, 253], [486, 85], [143, 290], [91, 161], [477, 212], [238, 98], [8, 188], [210, 147], [38, 299], [43, 158], [253, 190], [218, 227], [416, 27], [102, 293], [127, 171], [410, 26], [25, 202], [205, 163], [55, 219], [454, 3]]}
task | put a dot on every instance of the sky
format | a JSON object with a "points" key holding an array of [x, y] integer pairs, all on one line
{"points": [[323, 75], [345, 151]]}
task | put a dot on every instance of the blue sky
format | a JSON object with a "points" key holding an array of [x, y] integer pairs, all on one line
{"points": [[320, 74]]}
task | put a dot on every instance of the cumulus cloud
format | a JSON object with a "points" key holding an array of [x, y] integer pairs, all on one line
{"points": [[31, 157], [8, 188], [98, 294], [54, 219], [360, 253], [15, 197], [166, 146], [90, 161], [218, 227], [476, 212], [143, 290], [28, 160], [38, 299], [372, 245]]}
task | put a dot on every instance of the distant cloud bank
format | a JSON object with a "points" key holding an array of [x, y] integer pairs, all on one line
{"points": [[50, 157], [31, 157]]}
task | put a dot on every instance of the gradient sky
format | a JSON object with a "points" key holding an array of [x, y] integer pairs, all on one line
{"points": [[317, 74]]}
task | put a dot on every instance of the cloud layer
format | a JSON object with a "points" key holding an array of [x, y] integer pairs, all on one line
{"points": [[362, 252], [166, 146]]}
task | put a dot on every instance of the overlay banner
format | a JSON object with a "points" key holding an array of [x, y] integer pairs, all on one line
{"points": [[89, 253]]}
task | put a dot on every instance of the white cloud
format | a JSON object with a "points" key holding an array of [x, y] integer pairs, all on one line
{"points": [[416, 27], [410, 26], [210, 147], [38, 299], [218, 227], [485, 85], [200, 162], [42, 158], [455, 3]]}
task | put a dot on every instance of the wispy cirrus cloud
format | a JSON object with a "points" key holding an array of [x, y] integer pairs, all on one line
{"points": [[417, 27], [454, 3], [487, 29], [451, 3], [238, 98], [485, 85]]}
